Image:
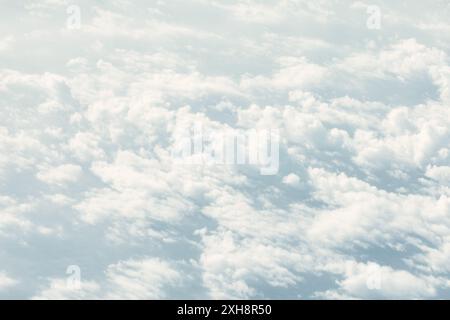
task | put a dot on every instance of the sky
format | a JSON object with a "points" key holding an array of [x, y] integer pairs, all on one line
{"points": [[353, 98]]}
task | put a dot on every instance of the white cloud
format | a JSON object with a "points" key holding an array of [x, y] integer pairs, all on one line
{"points": [[131, 279], [231, 268], [291, 179], [372, 281], [141, 279], [294, 72], [89, 119], [6, 43], [60, 175], [402, 59], [59, 289], [12, 216], [6, 281]]}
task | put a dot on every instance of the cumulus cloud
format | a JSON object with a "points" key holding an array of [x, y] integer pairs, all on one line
{"points": [[131, 279], [90, 118], [372, 281], [61, 174]]}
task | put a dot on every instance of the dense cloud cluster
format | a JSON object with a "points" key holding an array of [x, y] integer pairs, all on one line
{"points": [[89, 114]]}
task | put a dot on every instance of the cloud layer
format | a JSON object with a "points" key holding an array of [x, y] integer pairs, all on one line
{"points": [[93, 98]]}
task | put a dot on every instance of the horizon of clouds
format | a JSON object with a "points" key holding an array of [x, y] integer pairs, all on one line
{"points": [[358, 209]]}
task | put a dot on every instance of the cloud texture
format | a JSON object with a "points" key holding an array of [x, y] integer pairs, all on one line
{"points": [[89, 114]]}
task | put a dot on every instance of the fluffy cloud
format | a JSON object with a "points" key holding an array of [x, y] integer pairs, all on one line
{"points": [[372, 281], [130, 279], [60, 175], [89, 120], [144, 279]]}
